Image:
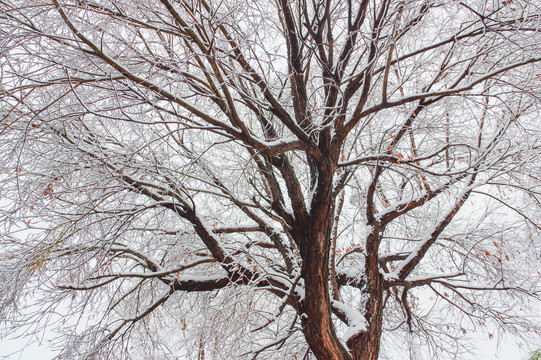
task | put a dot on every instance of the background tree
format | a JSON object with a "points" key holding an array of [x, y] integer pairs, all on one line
{"points": [[536, 355], [284, 179]]}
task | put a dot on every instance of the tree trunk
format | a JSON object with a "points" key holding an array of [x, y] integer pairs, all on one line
{"points": [[314, 238], [317, 324], [315, 245]]}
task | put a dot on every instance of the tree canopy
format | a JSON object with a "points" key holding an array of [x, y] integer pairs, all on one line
{"points": [[287, 179]]}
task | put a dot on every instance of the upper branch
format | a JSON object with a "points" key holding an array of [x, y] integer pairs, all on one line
{"points": [[407, 266]]}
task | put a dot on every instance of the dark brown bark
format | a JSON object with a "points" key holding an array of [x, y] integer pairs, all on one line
{"points": [[316, 308], [315, 245]]}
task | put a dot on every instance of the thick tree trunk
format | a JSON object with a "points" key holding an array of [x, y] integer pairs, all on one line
{"points": [[314, 238], [317, 324], [316, 318], [315, 245]]}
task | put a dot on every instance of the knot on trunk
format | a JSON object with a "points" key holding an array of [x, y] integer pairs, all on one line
{"points": [[353, 338]]}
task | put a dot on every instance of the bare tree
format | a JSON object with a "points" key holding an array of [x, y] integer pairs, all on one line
{"points": [[277, 179]]}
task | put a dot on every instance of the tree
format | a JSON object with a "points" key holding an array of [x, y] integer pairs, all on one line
{"points": [[283, 179], [536, 355]]}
